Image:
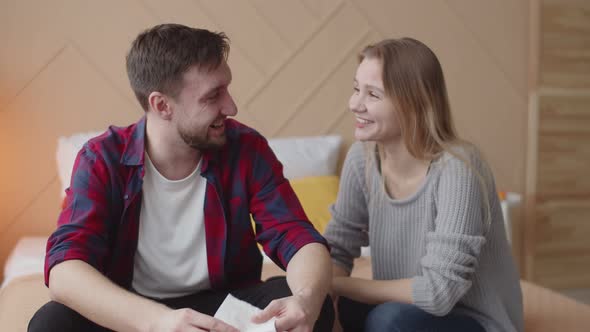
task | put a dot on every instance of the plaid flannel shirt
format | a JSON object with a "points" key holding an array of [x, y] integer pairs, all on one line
{"points": [[100, 220]]}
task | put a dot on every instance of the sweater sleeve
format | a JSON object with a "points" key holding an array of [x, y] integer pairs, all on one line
{"points": [[347, 231], [452, 249]]}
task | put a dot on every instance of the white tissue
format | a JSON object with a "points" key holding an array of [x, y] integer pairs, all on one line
{"points": [[238, 314]]}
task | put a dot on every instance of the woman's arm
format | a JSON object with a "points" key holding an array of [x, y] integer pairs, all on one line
{"points": [[453, 247], [374, 291], [347, 231]]}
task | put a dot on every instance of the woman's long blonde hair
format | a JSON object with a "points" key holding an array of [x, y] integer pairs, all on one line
{"points": [[413, 80]]}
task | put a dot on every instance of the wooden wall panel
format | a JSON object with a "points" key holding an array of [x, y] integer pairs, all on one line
{"points": [[292, 21], [562, 253], [563, 271], [327, 103], [565, 46], [562, 218], [558, 246], [563, 114], [62, 71], [307, 69], [504, 18], [321, 9], [564, 149], [563, 166], [29, 38], [565, 225], [253, 33], [104, 42]]}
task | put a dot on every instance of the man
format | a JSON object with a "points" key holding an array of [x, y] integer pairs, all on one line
{"points": [[156, 230]]}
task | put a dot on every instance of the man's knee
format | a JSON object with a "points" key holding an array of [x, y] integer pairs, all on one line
{"points": [[277, 287], [325, 321], [54, 316]]}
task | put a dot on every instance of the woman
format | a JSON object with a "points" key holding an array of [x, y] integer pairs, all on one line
{"points": [[426, 203]]}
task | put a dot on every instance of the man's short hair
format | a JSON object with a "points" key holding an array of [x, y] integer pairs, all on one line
{"points": [[160, 56]]}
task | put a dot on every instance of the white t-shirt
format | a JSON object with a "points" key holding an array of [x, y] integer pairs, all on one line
{"points": [[171, 257]]}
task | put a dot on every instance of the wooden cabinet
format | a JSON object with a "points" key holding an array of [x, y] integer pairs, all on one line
{"points": [[559, 247]]}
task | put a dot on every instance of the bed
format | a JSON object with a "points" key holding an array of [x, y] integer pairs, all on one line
{"points": [[311, 165], [24, 293]]}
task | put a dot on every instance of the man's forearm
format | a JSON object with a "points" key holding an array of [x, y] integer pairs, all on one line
{"points": [[309, 273], [79, 286]]}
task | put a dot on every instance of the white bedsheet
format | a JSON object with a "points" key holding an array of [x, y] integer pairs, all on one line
{"points": [[27, 257]]}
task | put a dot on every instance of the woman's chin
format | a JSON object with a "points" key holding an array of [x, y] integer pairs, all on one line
{"points": [[362, 137]]}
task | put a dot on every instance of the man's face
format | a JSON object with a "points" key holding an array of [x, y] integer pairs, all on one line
{"points": [[203, 104]]}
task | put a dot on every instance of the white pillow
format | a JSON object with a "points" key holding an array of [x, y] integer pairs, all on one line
{"points": [[307, 156], [27, 257], [300, 156]]}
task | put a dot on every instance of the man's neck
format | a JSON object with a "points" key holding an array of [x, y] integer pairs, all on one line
{"points": [[171, 156]]}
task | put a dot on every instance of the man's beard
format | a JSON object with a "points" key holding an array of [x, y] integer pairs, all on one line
{"points": [[198, 142]]}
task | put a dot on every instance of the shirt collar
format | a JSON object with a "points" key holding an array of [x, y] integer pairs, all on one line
{"points": [[133, 155]]}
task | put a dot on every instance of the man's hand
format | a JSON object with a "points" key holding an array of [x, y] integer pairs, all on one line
{"points": [[189, 320], [293, 313]]}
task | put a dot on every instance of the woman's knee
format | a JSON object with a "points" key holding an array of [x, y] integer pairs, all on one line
{"points": [[391, 316]]}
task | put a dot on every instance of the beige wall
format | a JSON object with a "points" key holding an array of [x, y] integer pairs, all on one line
{"points": [[62, 72]]}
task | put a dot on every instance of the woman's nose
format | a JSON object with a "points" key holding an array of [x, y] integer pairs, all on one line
{"points": [[356, 104]]}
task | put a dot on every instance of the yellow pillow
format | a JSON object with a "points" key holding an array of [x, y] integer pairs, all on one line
{"points": [[316, 194]]}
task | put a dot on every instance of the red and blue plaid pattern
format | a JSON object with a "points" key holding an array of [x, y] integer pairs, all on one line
{"points": [[100, 220]]}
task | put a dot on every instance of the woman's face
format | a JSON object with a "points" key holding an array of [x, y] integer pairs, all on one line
{"points": [[376, 117]]}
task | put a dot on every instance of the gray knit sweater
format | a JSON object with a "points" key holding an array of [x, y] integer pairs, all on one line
{"points": [[439, 237]]}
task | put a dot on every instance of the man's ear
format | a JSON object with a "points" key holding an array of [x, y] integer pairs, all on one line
{"points": [[159, 103]]}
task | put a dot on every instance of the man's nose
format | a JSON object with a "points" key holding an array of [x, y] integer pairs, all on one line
{"points": [[230, 108]]}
